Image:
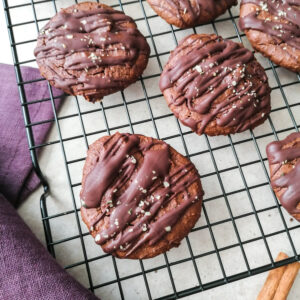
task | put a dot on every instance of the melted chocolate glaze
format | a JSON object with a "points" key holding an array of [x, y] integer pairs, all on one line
{"points": [[205, 72], [195, 9], [90, 39], [146, 187], [279, 154], [288, 11]]}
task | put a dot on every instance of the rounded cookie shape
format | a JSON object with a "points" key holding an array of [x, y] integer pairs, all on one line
{"points": [[139, 196], [189, 13], [284, 163], [215, 86], [90, 49], [273, 29]]}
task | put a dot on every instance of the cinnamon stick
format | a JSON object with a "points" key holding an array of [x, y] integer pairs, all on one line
{"points": [[269, 289], [286, 281]]}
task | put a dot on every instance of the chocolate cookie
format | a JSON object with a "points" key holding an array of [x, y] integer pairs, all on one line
{"points": [[215, 86], [273, 28], [284, 162], [189, 13], [139, 196], [92, 50]]}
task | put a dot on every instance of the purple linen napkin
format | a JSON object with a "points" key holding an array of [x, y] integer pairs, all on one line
{"points": [[17, 179], [27, 270]]}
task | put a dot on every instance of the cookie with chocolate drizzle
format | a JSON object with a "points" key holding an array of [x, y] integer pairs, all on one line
{"points": [[189, 13], [139, 196], [273, 29], [92, 50], [284, 162], [215, 86]]}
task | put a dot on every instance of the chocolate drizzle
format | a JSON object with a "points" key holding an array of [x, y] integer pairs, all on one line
{"points": [[195, 9], [280, 153], [284, 25], [130, 183], [207, 69], [88, 41]]}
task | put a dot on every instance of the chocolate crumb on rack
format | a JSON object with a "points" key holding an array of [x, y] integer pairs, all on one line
{"points": [[92, 50], [140, 197]]}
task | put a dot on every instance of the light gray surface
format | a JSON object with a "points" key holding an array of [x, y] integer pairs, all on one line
{"points": [[51, 161]]}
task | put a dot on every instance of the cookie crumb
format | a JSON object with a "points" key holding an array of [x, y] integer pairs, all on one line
{"points": [[97, 237], [168, 228]]}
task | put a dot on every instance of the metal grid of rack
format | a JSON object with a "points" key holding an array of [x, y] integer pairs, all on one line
{"points": [[229, 147]]}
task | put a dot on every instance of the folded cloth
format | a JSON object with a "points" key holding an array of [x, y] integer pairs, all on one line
{"points": [[28, 271], [17, 179]]}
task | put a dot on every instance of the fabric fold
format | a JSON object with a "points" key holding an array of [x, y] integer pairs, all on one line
{"points": [[28, 271], [16, 178]]}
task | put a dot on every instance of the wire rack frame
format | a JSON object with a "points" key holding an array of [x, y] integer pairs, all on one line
{"points": [[33, 147]]}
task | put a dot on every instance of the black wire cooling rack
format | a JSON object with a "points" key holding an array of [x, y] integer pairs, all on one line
{"points": [[261, 215]]}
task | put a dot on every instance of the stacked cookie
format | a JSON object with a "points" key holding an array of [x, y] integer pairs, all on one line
{"points": [[139, 196]]}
